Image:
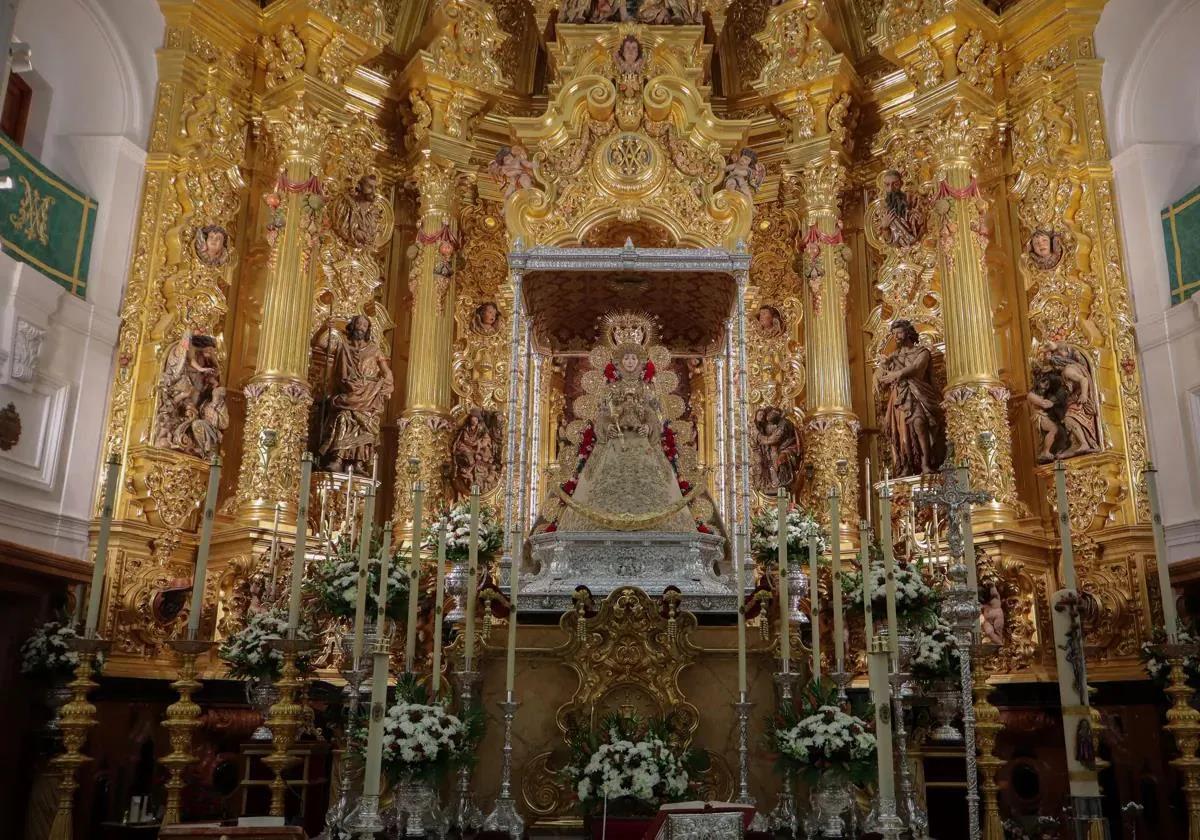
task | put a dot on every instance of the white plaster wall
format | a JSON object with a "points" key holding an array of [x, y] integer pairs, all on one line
{"points": [[1152, 104], [93, 80]]}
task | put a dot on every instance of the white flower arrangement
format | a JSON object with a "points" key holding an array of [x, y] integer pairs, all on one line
{"points": [[47, 653], [249, 653], [334, 580], [458, 537], [822, 738], [916, 600], [1157, 665], [936, 655], [423, 741], [764, 535]]}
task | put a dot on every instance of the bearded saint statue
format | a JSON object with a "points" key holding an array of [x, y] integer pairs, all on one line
{"points": [[914, 424], [628, 483], [361, 217], [360, 385]]}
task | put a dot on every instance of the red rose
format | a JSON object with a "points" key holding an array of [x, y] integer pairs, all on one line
{"points": [[610, 372], [553, 526], [703, 529], [649, 374], [684, 487], [569, 487]]}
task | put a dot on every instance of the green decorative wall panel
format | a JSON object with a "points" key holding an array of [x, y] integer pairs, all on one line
{"points": [[1181, 230]]}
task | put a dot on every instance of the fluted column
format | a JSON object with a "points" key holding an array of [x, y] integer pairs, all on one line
{"points": [[278, 397], [425, 425], [832, 432], [976, 400]]}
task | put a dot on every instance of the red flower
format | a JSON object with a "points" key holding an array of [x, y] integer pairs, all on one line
{"points": [[684, 487], [552, 527], [702, 528], [649, 374], [610, 372], [569, 487]]}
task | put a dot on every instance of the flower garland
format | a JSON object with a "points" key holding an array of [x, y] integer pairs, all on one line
{"points": [[916, 601], [421, 740], [936, 656], [47, 654], [248, 652], [334, 582], [764, 535], [458, 537], [818, 738], [632, 764]]}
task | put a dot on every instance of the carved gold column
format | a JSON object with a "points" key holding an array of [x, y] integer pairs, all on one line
{"points": [[425, 427], [832, 426], [976, 400]]}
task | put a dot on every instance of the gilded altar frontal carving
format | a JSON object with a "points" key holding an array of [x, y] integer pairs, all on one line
{"points": [[635, 331]]}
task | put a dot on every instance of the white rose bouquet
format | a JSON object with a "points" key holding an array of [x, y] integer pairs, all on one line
{"points": [[248, 652], [764, 535], [458, 538], [48, 655], [818, 737], [916, 600], [632, 764], [421, 740], [1156, 664], [334, 582], [936, 654]]}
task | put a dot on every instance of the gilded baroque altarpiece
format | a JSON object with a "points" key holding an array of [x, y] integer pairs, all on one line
{"points": [[941, 164]]}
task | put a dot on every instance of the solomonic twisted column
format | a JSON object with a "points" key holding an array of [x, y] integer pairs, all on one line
{"points": [[832, 426], [976, 400]]}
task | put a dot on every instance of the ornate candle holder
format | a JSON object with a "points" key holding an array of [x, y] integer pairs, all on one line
{"points": [[504, 816], [355, 678], [842, 679], [783, 816], [743, 707], [987, 728], [1183, 722], [467, 815], [76, 720], [182, 721], [909, 808], [286, 717]]}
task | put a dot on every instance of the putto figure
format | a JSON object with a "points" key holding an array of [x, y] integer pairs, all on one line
{"points": [[191, 414], [1066, 414], [512, 168], [1045, 250], [486, 320], [360, 384], [212, 245], [744, 173], [914, 425], [769, 321], [630, 58], [900, 218]]}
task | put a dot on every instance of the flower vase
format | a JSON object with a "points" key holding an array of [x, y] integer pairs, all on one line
{"points": [[830, 801], [418, 812], [261, 694], [946, 700]]}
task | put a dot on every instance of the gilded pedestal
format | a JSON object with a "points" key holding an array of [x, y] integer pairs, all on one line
{"points": [[285, 717], [987, 728], [181, 722], [75, 722], [1183, 722]]}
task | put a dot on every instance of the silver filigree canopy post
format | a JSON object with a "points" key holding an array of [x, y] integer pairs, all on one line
{"points": [[961, 606]]}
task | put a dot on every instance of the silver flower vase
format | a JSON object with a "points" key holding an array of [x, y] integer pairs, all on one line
{"points": [[830, 801], [945, 709], [261, 695], [417, 810], [906, 641]]}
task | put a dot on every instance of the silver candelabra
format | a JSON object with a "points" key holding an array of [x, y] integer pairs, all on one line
{"points": [[467, 815], [504, 816], [783, 816]]}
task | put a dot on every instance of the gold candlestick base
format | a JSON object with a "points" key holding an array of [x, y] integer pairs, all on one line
{"points": [[76, 719], [285, 717], [181, 722], [987, 728], [1183, 722]]}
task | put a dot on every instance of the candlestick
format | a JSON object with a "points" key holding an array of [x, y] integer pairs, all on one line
{"points": [[472, 585], [271, 582], [385, 550], [348, 518], [814, 601], [77, 613], [181, 722], [206, 529], [1064, 521], [374, 765], [414, 575], [889, 568], [106, 517], [298, 554], [867, 492], [439, 589], [877, 675], [364, 574], [510, 666], [1170, 620], [864, 565], [785, 602], [739, 581], [968, 531], [835, 548]]}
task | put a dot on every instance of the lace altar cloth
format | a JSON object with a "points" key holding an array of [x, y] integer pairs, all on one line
{"points": [[650, 560]]}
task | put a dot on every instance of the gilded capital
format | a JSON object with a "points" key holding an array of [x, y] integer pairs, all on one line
{"points": [[797, 52], [824, 180], [959, 138], [435, 186], [298, 133]]}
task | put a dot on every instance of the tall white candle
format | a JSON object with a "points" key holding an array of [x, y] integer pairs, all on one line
{"points": [[364, 574], [510, 662], [77, 613], [889, 569], [385, 561], [867, 490], [414, 580], [472, 583], [835, 547], [272, 586], [814, 600], [206, 528], [373, 772], [299, 556], [968, 532], [864, 565], [439, 589], [785, 601], [1064, 522], [111, 477], [1170, 619], [877, 675]]}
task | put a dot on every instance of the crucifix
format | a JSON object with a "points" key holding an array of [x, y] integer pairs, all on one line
{"points": [[957, 497]]}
